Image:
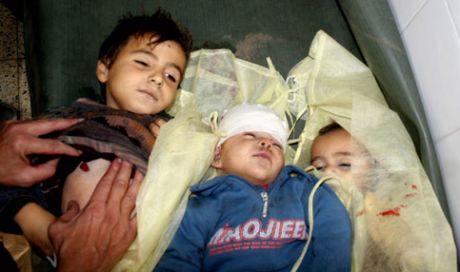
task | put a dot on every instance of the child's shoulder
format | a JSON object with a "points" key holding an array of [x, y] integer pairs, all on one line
{"points": [[305, 181], [297, 173]]}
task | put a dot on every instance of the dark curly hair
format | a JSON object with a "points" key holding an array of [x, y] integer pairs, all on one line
{"points": [[160, 26]]}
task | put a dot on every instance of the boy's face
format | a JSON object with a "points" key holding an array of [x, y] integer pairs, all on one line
{"points": [[144, 76], [338, 154], [254, 156]]}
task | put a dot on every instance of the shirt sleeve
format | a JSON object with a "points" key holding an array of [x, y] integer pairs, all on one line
{"points": [[186, 251], [331, 243]]}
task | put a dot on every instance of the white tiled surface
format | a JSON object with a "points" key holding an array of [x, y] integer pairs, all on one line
{"points": [[449, 163], [454, 7], [434, 50], [430, 31], [406, 10]]}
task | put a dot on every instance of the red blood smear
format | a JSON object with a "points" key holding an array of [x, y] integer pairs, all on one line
{"points": [[392, 212], [84, 167]]}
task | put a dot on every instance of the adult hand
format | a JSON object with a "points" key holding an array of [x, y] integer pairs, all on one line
{"points": [[95, 238], [19, 139]]}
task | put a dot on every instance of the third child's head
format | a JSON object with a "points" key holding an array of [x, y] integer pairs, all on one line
{"points": [[335, 151], [141, 63], [253, 144]]}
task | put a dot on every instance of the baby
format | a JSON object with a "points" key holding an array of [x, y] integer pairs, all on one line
{"points": [[390, 243], [335, 152], [254, 215]]}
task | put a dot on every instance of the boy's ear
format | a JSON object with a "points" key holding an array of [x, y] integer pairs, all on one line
{"points": [[217, 162], [102, 71]]}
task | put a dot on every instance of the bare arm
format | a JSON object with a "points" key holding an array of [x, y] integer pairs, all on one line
{"points": [[34, 221], [95, 238], [18, 139]]}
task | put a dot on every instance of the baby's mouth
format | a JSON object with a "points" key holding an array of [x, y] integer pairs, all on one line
{"points": [[264, 155]]}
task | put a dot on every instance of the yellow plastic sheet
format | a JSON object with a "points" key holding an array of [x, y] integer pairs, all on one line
{"points": [[398, 222], [214, 81], [181, 156]]}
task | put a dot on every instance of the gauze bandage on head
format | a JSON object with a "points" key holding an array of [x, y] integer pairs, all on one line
{"points": [[253, 118]]}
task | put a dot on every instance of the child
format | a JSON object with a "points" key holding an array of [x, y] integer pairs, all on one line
{"points": [[335, 152], [253, 215], [391, 244], [140, 66]]}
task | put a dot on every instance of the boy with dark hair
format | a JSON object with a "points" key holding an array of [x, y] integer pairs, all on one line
{"points": [[254, 215], [140, 66], [158, 28]]}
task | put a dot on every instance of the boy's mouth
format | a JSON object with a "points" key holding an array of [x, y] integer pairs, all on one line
{"points": [[149, 92]]}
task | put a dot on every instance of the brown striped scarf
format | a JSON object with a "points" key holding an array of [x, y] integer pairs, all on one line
{"points": [[105, 133]]}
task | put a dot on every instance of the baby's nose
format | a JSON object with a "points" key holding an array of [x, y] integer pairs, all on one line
{"points": [[265, 143], [328, 169]]}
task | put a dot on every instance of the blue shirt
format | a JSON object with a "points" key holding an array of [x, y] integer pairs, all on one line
{"points": [[231, 225]]}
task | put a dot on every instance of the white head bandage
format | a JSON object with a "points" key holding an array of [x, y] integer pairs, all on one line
{"points": [[253, 118]]}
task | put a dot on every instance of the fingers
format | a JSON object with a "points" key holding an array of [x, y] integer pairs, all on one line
{"points": [[55, 229], [49, 146], [132, 231], [120, 184], [44, 126], [35, 174], [72, 211], [129, 200]]}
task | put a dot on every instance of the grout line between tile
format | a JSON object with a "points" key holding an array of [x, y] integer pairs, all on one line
{"points": [[448, 134], [452, 18], [414, 15]]}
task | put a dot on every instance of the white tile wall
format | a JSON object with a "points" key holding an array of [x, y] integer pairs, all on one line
{"points": [[433, 48], [454, 7], [450, 162], [406, 10], [430, 32]]}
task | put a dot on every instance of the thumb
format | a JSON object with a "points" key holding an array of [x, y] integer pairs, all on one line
{"points": [[72, 211]]}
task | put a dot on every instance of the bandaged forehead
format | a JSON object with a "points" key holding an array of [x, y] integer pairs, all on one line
{"points": [[253, 118]]}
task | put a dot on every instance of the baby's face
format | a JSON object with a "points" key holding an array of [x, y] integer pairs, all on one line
{"points": [[144, 76], [254, 156], [336, 153]]}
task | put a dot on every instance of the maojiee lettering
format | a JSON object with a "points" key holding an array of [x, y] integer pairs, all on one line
{"points": [[275, 230]]}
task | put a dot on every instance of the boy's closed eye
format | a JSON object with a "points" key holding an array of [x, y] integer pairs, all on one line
{"points": [[141, 63], [172, 77]]}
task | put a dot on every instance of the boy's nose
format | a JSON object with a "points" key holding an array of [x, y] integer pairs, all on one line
{"points": [[155, 79]]}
